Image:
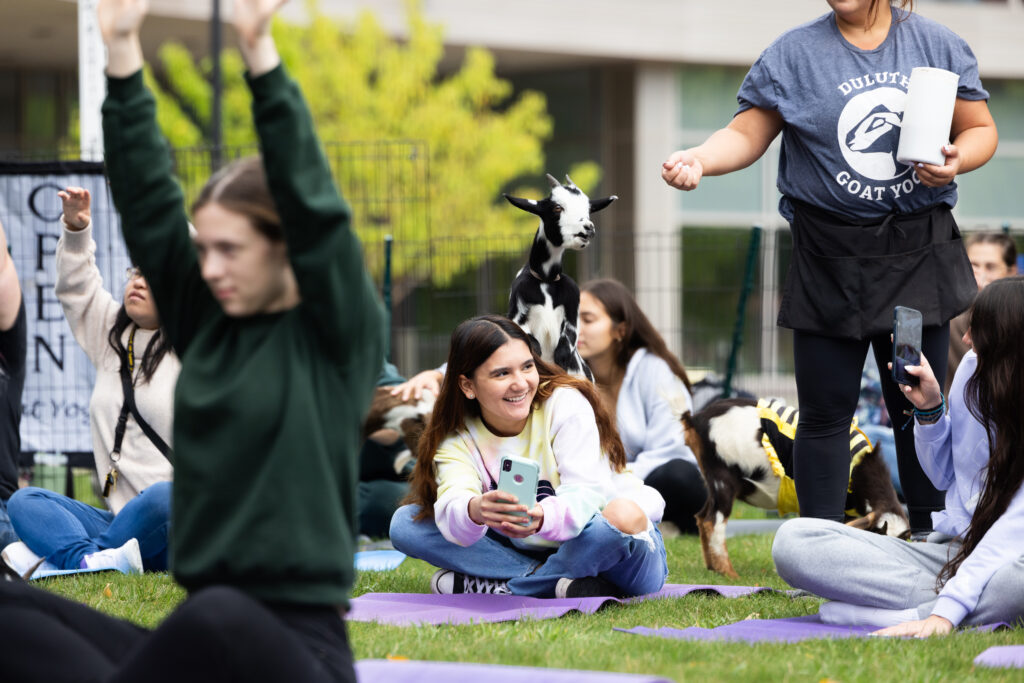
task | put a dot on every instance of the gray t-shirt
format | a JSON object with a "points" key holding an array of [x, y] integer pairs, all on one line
{"points": [[842, 108]]}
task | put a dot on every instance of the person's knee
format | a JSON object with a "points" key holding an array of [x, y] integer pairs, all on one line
{"points": [[402, 528], [793, 540], [625, 515], [23, 499]]}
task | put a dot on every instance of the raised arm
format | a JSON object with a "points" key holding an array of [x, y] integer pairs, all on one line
{"points": [[88, 307], [147, 197], [325, 254], [729, 149]]}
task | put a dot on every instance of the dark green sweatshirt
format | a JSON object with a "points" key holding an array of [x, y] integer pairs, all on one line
{"points": [[268, 407]]}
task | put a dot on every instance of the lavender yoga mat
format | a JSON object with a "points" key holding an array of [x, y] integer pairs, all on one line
{"points": [[411, 671], [405, 609], [786, 630], [1002, 656]]}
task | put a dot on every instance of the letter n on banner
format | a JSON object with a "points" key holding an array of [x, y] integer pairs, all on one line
{"points": [[59, 377]]}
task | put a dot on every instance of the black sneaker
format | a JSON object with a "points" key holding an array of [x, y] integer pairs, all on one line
{"points": [[448, 582], [586, 587]]}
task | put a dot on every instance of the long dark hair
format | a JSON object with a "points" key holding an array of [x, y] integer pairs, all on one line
{"points": [[156, 349], [473, 342], [622, 308], [995, 397]]}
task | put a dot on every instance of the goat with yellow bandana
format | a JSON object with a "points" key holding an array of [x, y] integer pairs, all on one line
{"points": [[745, 451]]}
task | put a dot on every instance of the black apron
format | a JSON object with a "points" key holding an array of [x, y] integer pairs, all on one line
{"points": [[846, 276]]}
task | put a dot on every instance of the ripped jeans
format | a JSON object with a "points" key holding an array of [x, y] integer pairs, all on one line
{"points": [[635, 563]]}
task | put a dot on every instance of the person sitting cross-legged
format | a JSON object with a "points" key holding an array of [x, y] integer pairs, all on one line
{"points": [[593, 530]]}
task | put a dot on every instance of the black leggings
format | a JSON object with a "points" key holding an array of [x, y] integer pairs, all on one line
{"points": [[218, 634], [681, 485], [828, 372]]}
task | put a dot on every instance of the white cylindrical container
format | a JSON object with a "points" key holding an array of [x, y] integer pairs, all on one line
{"points": [[928, 115]]}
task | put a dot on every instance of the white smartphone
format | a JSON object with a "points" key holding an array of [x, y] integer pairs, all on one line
{"points": [[519, 477]]}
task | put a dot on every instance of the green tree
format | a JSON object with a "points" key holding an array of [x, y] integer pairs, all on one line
{"points": [[362, 85]]}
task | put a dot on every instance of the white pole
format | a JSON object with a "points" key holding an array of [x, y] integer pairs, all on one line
{"points": [[92, 86]]}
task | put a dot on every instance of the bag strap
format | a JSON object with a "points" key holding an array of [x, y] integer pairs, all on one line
{"points": [[127, 365]]}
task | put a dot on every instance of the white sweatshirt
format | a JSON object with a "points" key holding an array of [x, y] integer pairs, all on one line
{"points": [[91, 312]]}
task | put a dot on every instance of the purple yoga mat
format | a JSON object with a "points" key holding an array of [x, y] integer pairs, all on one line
{"points": [[411, 671], [1002, 656], [786, 630], [405, 609]]}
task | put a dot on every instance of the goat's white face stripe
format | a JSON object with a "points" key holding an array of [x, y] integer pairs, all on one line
{"points": [[575, 216], [896, 524]]}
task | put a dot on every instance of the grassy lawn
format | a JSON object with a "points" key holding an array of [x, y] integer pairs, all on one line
{"points": [[588, 642]]}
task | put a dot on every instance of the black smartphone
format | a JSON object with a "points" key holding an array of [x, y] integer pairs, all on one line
{"points": [[906, 343]]}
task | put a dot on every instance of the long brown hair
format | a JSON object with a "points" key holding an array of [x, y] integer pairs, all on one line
{"points": [[640, 333], [241, 187], [906, 7], [472, 343], [995, 397]]}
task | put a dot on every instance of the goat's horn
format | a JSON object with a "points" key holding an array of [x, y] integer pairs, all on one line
{"points": [[554, 181], [568, 181]]}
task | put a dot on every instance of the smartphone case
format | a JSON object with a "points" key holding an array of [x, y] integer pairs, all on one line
{"points": [[906, 343], [519, 477]]}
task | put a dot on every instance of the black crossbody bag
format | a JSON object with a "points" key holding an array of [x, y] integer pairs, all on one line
{"points": [[129, 408]]}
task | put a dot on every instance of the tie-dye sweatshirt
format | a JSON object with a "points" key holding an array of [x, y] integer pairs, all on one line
{"points": [[575, 481]]}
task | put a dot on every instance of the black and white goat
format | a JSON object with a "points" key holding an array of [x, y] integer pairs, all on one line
{"points": [[544, 301], [744, 448]]}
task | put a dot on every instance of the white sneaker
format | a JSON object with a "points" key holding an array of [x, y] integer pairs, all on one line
{"points": [[127, 559], [20, 559], [448, 582]]}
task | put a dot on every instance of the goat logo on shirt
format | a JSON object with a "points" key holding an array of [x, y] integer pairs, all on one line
{"points": [[868, 133]]}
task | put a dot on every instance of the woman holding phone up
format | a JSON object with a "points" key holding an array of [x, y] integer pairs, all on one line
{"points": [[971, 569], [593, 530], [869, 233]]}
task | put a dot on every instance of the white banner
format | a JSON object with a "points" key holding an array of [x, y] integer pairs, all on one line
{"points": [[59, 376]]}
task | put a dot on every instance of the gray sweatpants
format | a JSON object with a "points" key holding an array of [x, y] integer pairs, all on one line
{"points": [[839, 562]]}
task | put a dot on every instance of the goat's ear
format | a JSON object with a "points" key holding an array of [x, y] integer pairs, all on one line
{"points": [[531, 205], [598, 204]]}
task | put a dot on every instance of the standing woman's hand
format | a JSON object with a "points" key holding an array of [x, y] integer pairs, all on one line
{"points": [[119, 22], [940, 176], [252, 23], [682, 170]]}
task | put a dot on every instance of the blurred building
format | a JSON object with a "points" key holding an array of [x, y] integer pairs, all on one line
{"points": [[627, 83]]}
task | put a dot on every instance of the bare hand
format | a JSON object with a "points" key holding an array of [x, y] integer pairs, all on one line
{"points": [[934, 625], [252, 19], [120, 19], [940, 176], [428, 380], [494, 509], [76, 202], [682, 170], [927, 394]]}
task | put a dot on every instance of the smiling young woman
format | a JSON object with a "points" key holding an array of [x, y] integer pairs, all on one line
{"points": [[593, 529]]}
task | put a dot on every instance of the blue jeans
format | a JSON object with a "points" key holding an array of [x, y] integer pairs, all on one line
{"points": [[7, 533], [65, 530], [635, 565]]}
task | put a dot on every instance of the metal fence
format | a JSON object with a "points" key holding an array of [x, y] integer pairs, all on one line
{"points": [[387, 184]]}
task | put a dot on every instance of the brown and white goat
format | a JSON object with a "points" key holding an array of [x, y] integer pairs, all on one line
{"points": [[744, 448], [408, 418]]}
